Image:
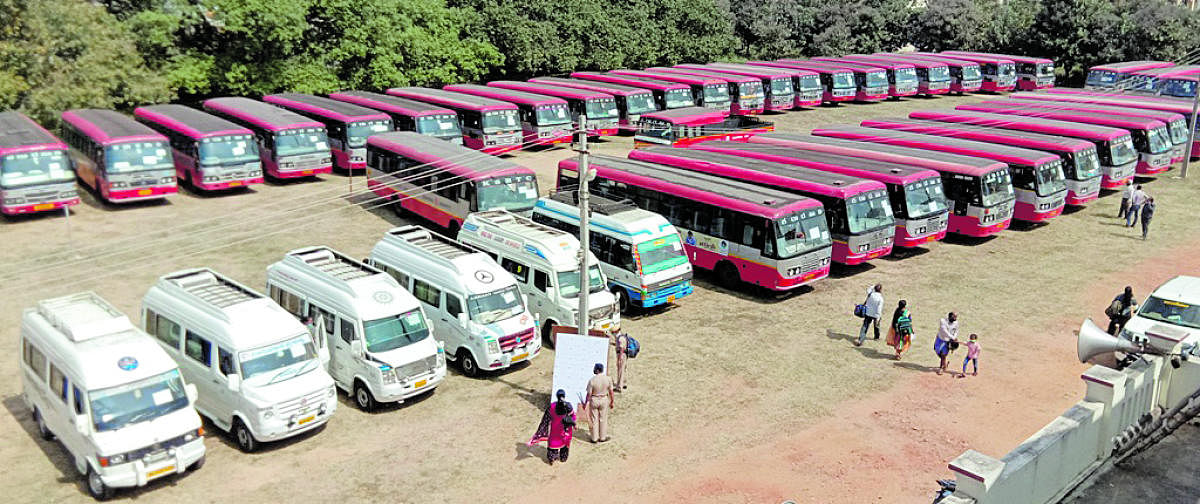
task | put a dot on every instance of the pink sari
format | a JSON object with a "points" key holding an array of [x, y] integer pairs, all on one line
{"points": [[552, 431]]}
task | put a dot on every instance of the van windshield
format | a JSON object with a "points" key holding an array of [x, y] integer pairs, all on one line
{"points": [[390, 333], [139, 401], [1171, 312], [495, 306], [568, 282], [278, 362]]}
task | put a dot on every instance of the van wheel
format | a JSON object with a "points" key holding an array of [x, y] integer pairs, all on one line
{"points": [[548, 337], [452, 229], [469, 367], [622, 296], [727, 274], [243, 436], [363, 397], [96, 487], [43, 430], [197, 464]]}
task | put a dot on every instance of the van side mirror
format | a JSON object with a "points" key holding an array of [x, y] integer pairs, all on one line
{"points": [[192, 394], [234, 382], [462, 319], [356, 347], [323, 354], [81, 424]]}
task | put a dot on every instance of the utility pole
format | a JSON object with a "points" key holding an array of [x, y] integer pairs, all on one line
{"points": [[584, 216], [1187, 157]]}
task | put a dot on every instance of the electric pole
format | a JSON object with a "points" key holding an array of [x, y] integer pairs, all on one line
{"points": [[1187, 157], [584, 216]]}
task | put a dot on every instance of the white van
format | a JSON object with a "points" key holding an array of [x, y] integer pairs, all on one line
{"points": [[115, 400], [477, 310], [639, 251], [378, 339], [1171, 312], [545, 263], [256, 366]]}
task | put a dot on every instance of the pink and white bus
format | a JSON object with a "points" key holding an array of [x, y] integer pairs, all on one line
{"points": [[443, 182], [631, 101], [707, 91], [999, 74], [917, 202], [686, 126], [289, 144], [965, 76], [1179, 85], [121, 159], [871, 84], [1117, 75], [1114, 146], [805, 85], [409, 115], [600, 108], [978, 191], [1037, 176], [211, 153], [347, 125], [1032, 73], [488, 125], [902, 77], [932, 78], [667, 95], [1081, 163], [1124, 101], [857, 210], [1150, 80], [35, 172], [837, 84], [746, 91], [545, 120], [1151, 139], [741, 232]]}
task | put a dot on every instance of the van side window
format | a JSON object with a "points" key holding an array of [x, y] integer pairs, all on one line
{"points": [[517, 269], [319, 315], [453, 305], [151, 321], [622, 256], [347, 329], [167, 331], [287, 300], [198, 348], [58, 383], [78, 401], [225, 362], [428, 294], [35, 359], [400, 277], [540, 280]]}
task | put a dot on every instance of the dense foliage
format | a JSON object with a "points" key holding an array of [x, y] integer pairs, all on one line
{"points": [[59, 54]]}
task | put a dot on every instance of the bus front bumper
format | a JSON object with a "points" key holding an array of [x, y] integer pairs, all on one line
{"points": [[37, 207], [661, 296], [149, 193]]}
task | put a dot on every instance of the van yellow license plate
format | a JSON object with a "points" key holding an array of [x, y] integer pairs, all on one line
{"points": [[671, 298], [421, 383], [306, 419], [144, 192], [160, 472], [44, 206], [520, 357]]}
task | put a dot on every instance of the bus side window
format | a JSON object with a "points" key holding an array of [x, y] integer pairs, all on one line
{"points": [[225, 362], [622, 256], [78, 400], [58, 383], [753, 233], [1022, 177], [569, 179], [540, 280], [518, 270], [602, 248], [198, 348]]}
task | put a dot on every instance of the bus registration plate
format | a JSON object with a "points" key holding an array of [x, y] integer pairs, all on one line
{"points": [[145, 192], [307, 172], [235, 183], [160, 471], [44, 206]]}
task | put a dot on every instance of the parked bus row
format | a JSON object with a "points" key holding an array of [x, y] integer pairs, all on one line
{"points": [[1146, 78]]}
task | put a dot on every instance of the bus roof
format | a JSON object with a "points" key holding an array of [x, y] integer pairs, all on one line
{"points": [[1119, 100], [756, 70], [1172, 71], [390, 104], [629, 80], [809, 66], [1160, 115], [110, 127], [1015, 59], [865, 65], [732, 194], [564, 92], [451, 99], [1063, 115], [328, 108], [890, 58], [508, 95], [690, 116], [994, 60], [710, 72], [880, 171], [458, 160], [1131, 66], [811, 181], [603, 87], [1037, 124], [1002, 153], [19, 133], [850, 67], [1017, 138], [934, 160], [189, 121], [261, 114], [954, 62], [691, 80]]}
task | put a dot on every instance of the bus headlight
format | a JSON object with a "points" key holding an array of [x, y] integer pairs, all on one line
{"points": [[326, 160], [116, 185], [14, 201], [211, 179], [287, 164], [255, 173], [167, 180]]}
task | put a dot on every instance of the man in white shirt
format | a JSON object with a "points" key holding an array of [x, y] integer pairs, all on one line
{"points": [[1126, 195], [1135, 205], [874, 310], [947, 333]]}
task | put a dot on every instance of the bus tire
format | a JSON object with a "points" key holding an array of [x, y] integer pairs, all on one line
{"points": [[727, 275], [548, 333], [622, 296], [96, 487], [452, 229], [197, 464], [43, 430], [363, 398], [398, 208], [467, 363], [243, 437]]}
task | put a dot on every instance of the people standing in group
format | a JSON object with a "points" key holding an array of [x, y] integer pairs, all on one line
{"points": [[972, 356], [1135, 204], [947, 337], [1126, 195], [556, 429], [902, 328], [872, 311], [622, 344], [600, 400], [1147, 213], [1120, 310]]}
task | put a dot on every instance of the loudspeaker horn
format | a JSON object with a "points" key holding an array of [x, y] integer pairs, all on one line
{"points": [[1094, 341]]}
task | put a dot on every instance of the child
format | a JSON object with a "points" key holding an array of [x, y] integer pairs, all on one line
{"points": [[972, 357]]}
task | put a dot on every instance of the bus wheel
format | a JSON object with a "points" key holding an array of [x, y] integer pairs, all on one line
{"points": [[622, 296], [243, 436], [469, 367], [452, 229], [43, 430], [398, 209], [363, 397], [727, 274], [96, 487]]}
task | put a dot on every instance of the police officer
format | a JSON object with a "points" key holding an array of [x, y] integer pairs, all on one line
{"points": [[600, 399]]}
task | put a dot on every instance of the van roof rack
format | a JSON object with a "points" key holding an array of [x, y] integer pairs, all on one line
{"points": [[434, 243], [83, 316], [212, 288], [597, 204], [331, 263], [524, 227]]}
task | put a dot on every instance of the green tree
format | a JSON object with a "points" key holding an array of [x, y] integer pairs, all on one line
{"points": [[947, 24], [1075, 33], [1157, 31], [774, 29]]}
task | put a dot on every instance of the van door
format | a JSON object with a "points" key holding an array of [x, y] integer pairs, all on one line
{"points": [[455, 333], [342, 362], [197, 367], [58, 415], [226, 400], [431, 297]]}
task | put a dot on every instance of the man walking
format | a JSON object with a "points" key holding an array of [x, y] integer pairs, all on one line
{"points": [[947, 334], [1126, 195], [1147, 214], [873, 310], [1135, 204], [622, 344], [600, 399]]}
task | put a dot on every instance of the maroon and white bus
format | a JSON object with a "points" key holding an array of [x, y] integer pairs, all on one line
{"points": [[686, 126], [289, 144], [492, 126], [1081, 164], [999, 74], [443, 182], [805, 84], [742, 232], [545, 120], [35, 172], [346, 124], [871, 83], [1117, 75], [965, 76], [707, 91], [667, 95], [1113, 100], [211, 153], [746, 91], [902, 77], [409, 115], [600, 108], [978, 191], [121, 159], [1032, 73], [837, 84], [631, 101], [917, 202], [932, 78]]}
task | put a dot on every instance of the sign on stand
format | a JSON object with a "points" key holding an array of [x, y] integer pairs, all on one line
{"points": [[574, 357]]}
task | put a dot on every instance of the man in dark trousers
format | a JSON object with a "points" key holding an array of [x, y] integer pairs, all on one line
{"points": [[1121, 310]]}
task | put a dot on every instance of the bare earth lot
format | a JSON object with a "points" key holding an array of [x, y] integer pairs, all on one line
{"points": [[735, 397]]}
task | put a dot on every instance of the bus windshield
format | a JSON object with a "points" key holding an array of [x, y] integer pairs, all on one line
{"points": [[997, 188], [1008, 70], [924, 198], [876, 79], [799, 232], [35, 168], [1178, 131], [496, 121], [782, 86], [812, 83], [139, 401], [677, 98], [605, 108], [868, 211], [390, 333], [750, 90], [906, 75], [495, 306], [228, 150], [660, 254], [971, 72], [441, 125], [1171, 312], [1122, 150], [278, 361], [843, 80], [1087, 164], [1045, 70], [511, 192], [552, 115], [137, 156], [1050, 178], [640, 103], [1160, 140], [300, 141], [939, 74], [716, 93], [357, 132], [568, 281]]}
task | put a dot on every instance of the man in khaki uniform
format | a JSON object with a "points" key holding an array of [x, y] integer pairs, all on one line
{"points": [[599, 401], [621, 342]]}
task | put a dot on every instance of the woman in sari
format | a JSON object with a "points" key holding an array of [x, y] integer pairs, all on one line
{"points": [[556, 429], [902, 329]]}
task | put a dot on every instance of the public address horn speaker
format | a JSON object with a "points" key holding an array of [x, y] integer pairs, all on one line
{"points": [[1094, 341]]}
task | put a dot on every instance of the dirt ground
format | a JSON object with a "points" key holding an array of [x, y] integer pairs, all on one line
{"points": [[735, 397]]}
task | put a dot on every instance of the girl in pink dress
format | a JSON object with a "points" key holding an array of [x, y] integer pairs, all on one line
{"points": [[556, 429], [972, 357]]}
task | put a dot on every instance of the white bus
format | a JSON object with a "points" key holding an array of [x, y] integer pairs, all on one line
{"points": [[545, 263], [477, 310], [639, 251], [380, 349], [115, 400], [256, 366]]}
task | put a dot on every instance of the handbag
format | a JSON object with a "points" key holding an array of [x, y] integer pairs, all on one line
{"points": [[860, 310], [1114, 309], [568, 422]]}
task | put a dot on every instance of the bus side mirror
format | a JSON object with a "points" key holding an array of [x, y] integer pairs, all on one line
{"points": [[192, 394], [234, 382], [81, 424], [462, 320]]}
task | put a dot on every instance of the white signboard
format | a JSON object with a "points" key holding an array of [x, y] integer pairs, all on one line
{"points": [[574, 358]]}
